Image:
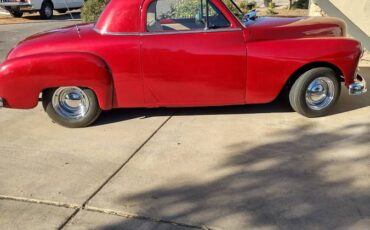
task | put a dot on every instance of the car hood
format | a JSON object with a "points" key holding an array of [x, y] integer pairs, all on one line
{"points": [[272, 28], [56, 40]]}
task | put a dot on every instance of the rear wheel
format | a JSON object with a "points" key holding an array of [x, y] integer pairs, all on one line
{"points": [[71, 107], [16, 13], [315, 92], [46, 10]]}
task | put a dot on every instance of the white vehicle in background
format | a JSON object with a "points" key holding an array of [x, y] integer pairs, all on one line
{"points": [[46, 7]]}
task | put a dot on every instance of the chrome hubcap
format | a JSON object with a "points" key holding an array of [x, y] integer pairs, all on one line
{"points": [[48, 11], [320, 93], [71, 103]]}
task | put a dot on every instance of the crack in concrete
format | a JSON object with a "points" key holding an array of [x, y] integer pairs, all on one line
{"points": [[78, 208], [140, 217], [83, 206], [37, 201]]}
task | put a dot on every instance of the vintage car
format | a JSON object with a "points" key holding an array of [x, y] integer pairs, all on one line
{"points": [[181, 53]]}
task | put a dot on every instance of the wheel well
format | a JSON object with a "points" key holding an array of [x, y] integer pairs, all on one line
{"points": [[51, 2], [44, 91], [309, 66]]}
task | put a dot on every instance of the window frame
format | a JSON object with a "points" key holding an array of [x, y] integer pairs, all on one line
{"points": [[234, 24]]}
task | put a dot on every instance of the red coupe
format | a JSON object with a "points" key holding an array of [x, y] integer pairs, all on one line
{"points": [[180, 53]]}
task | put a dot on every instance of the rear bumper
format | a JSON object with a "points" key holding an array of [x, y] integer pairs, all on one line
{"points": [[358, 87]]}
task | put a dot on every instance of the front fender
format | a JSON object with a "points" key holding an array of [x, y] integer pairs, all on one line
{"points": [[272, 63], [23, 79]]}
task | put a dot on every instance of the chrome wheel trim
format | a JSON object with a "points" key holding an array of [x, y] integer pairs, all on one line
{"points": [[48, 11], [320, 93], [71, 103]]}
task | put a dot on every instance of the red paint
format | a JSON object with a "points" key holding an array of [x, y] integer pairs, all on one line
{"points": [[23, 79], [129, 67]]}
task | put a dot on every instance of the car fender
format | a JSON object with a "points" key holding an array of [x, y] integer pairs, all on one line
{"points": [[22, 79], [36, 4], [272, 63]]}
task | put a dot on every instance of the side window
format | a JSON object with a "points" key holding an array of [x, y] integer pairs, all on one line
{"points": [[183, 15]]}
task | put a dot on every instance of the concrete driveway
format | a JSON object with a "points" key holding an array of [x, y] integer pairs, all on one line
{"points": [[242, 167]]}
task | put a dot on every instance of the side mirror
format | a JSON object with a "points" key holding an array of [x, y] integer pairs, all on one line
{"points": [[252, 15]]}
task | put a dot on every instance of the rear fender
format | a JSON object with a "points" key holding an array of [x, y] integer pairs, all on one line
{"points": [[23, 79]]}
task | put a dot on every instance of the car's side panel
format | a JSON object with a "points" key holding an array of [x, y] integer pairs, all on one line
{"points": [[64, 4], [36, 4], [271, 63], [194, 69], [22, 79], [121, 52], [70, 3], [59, 4], [78, 3]]}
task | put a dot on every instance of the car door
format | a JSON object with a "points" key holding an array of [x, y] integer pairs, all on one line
{"points": [[191, 55], [76, 3], [67, 4]]}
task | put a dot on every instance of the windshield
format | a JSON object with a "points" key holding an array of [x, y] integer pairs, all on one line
{"points": [[238, 13]]}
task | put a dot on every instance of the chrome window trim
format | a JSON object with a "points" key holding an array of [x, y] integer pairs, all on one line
{"points": [[165, 33]]}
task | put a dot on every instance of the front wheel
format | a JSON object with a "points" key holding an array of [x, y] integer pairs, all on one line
{"points": [[72, 107], [315, 92]]}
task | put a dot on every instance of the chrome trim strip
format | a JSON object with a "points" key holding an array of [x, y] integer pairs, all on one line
{"points": [[165, 33], [192, 31], [116, 33]]}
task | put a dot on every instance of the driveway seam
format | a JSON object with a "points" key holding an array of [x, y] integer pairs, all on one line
{"points": [[77, 208], [37, 201], [82, 207], [140, 217]]}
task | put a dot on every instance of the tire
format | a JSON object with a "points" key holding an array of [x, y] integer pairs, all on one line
{"points": [[16, 14], [315, 92], [46, 10], [62, 11], [80, 111]]}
